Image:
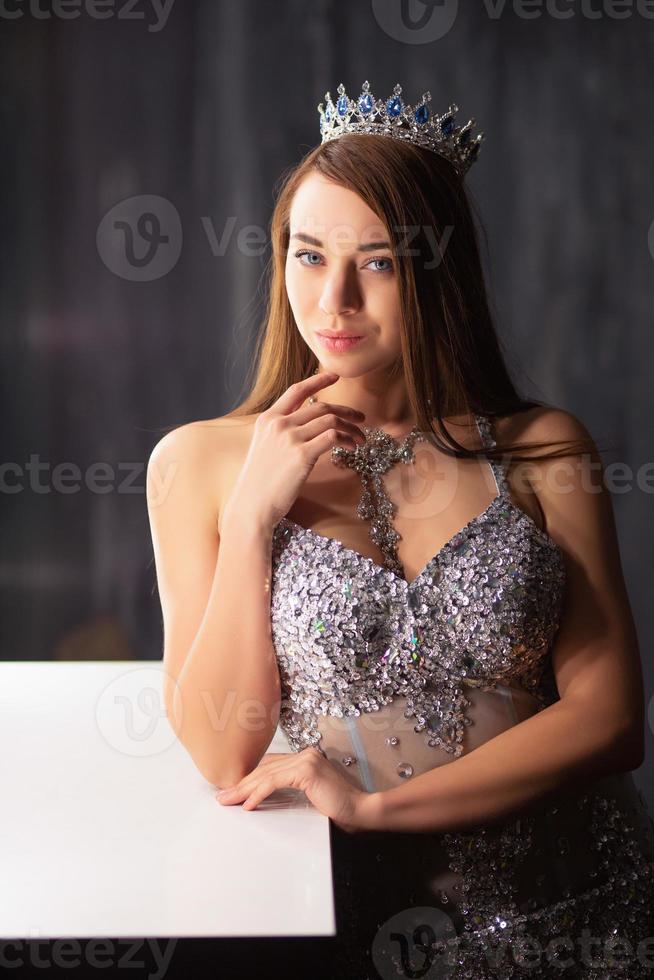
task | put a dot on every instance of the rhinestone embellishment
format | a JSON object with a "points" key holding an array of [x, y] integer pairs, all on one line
{"points": [[395, 118], [371, 460]]}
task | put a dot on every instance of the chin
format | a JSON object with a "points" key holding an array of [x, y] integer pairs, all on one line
{"points": [[343, 366], [351, 364]]}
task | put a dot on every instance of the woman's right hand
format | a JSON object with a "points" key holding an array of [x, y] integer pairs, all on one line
{"points": [[288, 439]]}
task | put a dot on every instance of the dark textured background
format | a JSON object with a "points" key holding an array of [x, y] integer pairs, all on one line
{"points": [[206, 113]]}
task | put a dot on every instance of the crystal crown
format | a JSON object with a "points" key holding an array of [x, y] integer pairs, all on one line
{"points": [[393, 117]]}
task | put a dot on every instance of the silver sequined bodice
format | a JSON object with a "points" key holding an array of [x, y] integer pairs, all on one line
{"points": [[353, 637], [393, 679]]}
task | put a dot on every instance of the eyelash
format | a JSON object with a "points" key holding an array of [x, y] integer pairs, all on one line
{"points": [[378, 258]]}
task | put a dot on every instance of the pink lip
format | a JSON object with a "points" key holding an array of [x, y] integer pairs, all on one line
{"points": [[339, 342]]}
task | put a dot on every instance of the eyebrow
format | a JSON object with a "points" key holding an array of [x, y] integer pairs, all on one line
{"points": [[310, 240]]}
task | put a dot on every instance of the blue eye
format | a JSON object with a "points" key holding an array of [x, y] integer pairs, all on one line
{"points": [[305, 251], [381, 258]]}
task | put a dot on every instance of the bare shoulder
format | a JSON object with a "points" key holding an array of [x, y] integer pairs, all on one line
{"points": [[543, 423], [197, 436], [569, 489], [205, 454], [550, 490]]}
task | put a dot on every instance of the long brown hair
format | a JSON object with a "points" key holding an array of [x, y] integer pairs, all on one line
{"points": [[451, 356]]}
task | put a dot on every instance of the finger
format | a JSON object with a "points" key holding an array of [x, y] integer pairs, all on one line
{"points": [[238, 792], [308, 412], [228, 796], [235, 793], [275, 757], [300, 391], [315, 427], [287, 762], [264, 789]]}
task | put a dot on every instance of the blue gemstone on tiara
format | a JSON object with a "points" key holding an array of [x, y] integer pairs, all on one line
{"points": [[393, 117], [365, 103], [394, 107]]}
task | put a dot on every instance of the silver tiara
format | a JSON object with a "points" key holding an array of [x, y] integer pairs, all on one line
{"points": [[392, 117]]}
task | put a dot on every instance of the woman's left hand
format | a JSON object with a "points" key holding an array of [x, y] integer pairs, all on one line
{"points": [[309, 771]]}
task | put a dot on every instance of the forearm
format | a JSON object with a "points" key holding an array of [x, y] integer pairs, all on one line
{"points": [[556, 748], [227, 700]]}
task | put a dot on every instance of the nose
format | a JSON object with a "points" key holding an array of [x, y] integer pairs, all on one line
{"points": [[340, 295]]}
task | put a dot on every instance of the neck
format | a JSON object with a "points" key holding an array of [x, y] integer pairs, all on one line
{"points": [[385, 404]]}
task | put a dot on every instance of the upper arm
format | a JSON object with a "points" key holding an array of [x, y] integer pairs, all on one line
{"points": [[595, 658], [183, 512]]}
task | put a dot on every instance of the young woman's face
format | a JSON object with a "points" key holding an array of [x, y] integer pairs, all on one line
{"points": [[341, 277]]}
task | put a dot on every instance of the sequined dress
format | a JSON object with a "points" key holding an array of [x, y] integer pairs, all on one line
{"points": [[393, 678]]}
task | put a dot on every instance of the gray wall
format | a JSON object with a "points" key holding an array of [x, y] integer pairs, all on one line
{"points": [[205, 110]]}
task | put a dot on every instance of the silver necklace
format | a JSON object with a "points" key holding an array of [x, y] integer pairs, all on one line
{"points": [[371, 461]]}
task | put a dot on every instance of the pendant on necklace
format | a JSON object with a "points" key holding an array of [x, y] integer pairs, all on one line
{"points": [[371, 460]]}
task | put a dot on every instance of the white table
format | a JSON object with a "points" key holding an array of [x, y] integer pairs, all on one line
{"points": [[108, 829]]}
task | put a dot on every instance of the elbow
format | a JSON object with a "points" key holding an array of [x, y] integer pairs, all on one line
{"points": [[229, 772], [219, 761], [221, 774], [634, 756], [224, 779], [616, 742], [628, 749]]}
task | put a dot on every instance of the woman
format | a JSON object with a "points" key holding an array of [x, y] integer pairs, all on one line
{"points": [[447, 644]]}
